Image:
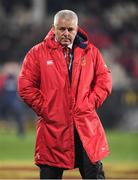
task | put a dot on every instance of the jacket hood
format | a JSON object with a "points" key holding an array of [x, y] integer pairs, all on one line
{"points": [[80, 40]]}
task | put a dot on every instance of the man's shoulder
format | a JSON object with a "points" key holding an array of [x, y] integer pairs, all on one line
{"points": [[93, 48], [37, 48]]}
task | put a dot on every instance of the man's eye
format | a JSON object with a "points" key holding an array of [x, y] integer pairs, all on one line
{"points": [[70, 29], [62, 29]]}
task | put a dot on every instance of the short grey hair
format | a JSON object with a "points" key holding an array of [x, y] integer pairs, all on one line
{"points": [[65, 14]]}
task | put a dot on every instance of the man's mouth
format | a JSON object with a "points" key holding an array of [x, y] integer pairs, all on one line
{"points": [[66, 40]]}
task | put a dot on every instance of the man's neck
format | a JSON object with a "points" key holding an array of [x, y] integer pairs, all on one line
{"points": [[70, 46]]}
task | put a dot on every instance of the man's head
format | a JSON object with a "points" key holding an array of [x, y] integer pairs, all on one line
{"points": [[65, 26]]}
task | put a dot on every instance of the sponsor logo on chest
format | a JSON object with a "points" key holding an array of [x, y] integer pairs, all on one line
{"points": [[49, 62]]}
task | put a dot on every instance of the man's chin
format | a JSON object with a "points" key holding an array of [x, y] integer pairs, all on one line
{"points": [[66, 43]]}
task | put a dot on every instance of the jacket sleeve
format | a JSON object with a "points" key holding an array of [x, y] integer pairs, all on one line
{"points": [[102, 84], [29, 82]]}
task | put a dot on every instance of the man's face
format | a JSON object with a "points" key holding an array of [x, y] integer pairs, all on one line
{"points": [[65, 31]]}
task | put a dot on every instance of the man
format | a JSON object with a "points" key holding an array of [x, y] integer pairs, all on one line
{"points": [[65, 96]]}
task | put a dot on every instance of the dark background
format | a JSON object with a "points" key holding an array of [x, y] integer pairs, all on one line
{"points": [[111, 26]]}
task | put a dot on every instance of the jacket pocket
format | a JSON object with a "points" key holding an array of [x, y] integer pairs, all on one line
{"points": [[92, 100], [84, 106]]}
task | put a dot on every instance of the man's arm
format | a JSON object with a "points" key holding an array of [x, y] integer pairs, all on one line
{"points": [[29, 82], [102, 84]]}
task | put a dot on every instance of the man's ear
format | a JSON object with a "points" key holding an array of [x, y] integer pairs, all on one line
{"points": [[53, 27]]}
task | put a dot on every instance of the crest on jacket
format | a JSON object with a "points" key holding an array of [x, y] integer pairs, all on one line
{"points": [[83, 61]]}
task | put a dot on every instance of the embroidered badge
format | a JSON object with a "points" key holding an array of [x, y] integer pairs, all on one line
{"points": [[83, 61]]}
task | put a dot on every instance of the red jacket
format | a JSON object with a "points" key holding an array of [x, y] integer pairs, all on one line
{"points": [[44, 85]]}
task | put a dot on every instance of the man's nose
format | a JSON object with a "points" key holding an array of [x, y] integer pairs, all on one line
{"points": [[66, 32]]}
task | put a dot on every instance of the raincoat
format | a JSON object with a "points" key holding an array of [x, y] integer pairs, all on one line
{"points": [[61, 105]]}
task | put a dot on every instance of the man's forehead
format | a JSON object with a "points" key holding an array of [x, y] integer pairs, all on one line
{"points": [[66, 21]]}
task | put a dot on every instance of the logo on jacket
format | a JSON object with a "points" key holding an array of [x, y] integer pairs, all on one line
{"points": [[49, 62], [83, 61]]}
